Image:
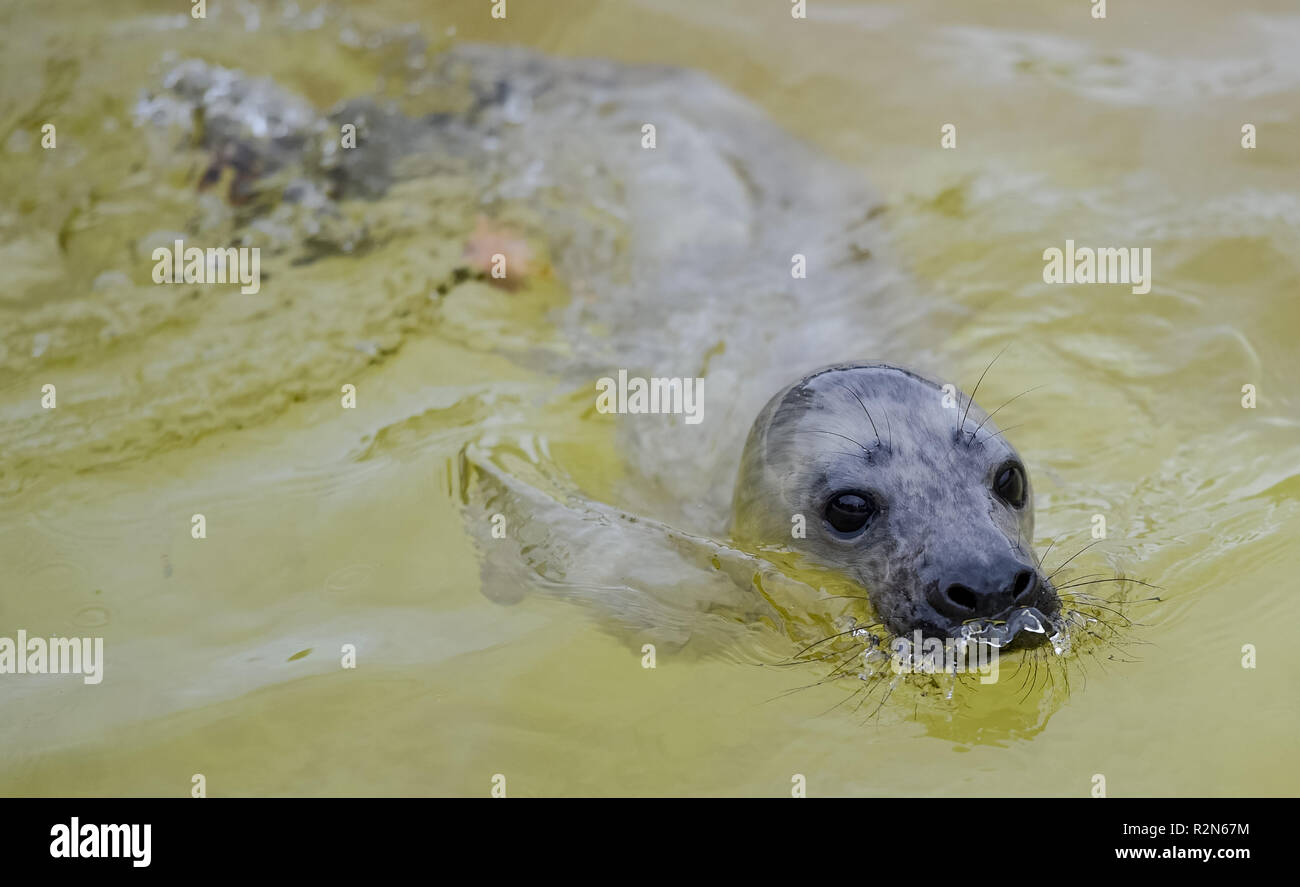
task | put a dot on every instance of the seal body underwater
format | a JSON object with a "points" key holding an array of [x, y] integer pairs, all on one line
{"points": [[911, 492], [924, 505]]}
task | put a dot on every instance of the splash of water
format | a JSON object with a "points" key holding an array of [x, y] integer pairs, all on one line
{"points": [[999, 634]]}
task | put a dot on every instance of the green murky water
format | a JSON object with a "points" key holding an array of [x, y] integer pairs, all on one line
{"points": [[328, 527]]}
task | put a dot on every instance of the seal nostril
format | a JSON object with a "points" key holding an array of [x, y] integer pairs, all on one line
{"points": [[962, 596], [1023, 585]]}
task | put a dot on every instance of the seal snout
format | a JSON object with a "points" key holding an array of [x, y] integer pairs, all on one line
{"points": [[977, 598], [981, 592]]}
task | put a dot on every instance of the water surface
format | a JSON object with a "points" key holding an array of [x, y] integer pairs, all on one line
{"points": [[329, 527]]}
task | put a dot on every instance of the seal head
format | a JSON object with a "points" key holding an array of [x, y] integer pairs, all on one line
{"points": [[906, 488]]}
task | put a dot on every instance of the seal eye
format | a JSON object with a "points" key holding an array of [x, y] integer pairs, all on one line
{"points": [[1010, 485], [849, 512]]}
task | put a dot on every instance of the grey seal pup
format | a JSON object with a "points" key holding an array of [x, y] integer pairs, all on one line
{"points": [[910, 491]]}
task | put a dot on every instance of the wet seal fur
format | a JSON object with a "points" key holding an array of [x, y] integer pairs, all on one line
{"points": [[946, 544]]}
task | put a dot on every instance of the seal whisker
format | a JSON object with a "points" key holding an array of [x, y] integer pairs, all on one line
{"points": [[1073, 556], [1106, 642], [1127, 621], [1034, 674], [1113, 634], [1083, 669], [1100, 664], [970, 399], [1079, 579], [853, 654], [833, 675], [990, 415], [1050, 676], [1096, 603], [1049, 550], [883, 700], [1019, 665], [848, 698], [1079, 595], [835, 434], [825, 639], [1123, 646], [1002, 432], [1084, 576], [865, 410], [1024, 661], [794, 690], [1116, 579], [843, 453], [809, 661], [1065, 676], [872, 684]]}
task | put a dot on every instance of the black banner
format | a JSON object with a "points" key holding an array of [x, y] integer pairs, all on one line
{"points": [[331, 836]]}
